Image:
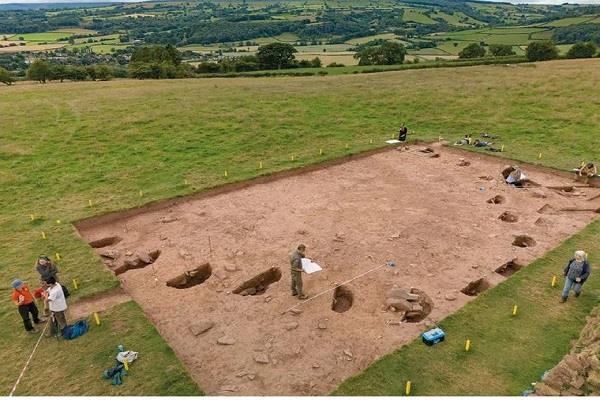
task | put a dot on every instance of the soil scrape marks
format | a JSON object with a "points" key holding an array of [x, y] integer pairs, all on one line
{"points": [[191, 278], [524, 241], [260, 283], [499, 199], [104, 242]]}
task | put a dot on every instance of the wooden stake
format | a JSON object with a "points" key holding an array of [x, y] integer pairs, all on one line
{"points": [[75, 284], [514, 312], [468, 345], [209, 246], [553, 281], [97, 318], [407, 390]]}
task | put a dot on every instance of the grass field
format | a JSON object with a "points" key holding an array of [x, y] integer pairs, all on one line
{"points": [[416, 15], [43, 36], [66, 144], [586, 19]]}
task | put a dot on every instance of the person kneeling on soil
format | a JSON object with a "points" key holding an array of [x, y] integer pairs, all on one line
{"points": [[587, 171], [515, 176], [24, 301], [481, 143], [463, 141], [56, 302], [402, 133], [296, 262], [576, 273]]}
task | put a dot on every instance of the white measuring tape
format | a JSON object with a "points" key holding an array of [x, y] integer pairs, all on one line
{"points": [[28, 360]]}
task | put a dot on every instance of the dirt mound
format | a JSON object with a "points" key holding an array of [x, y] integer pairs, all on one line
{"points": [[476, 287], [524, 241], [342, 299], [260, 283], [104, 242], [509, 268], [547, 209], [499, 199], [191, 278], [507, 216]]}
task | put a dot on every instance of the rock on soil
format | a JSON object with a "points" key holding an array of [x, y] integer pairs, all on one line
{"points": [[290, 326], [226, 341], [451, 296], [261, 358], [201, 327]]}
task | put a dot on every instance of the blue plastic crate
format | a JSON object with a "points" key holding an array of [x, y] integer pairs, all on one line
{"points": [[433, 336]]}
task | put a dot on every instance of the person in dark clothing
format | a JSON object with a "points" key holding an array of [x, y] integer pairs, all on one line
{"points": [[576, 273], [402, 133], [296, 272], [23, 298], [46, 268], [481, 143]]}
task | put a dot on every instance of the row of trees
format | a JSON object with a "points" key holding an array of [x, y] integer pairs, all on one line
{"points": [[542, 50], [43, 71]]}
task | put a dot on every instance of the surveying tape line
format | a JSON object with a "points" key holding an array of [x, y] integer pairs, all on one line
{"points": [[28, 360], [386, 264]]}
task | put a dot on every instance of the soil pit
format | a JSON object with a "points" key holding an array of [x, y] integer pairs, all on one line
{"points": [[260, 283], [423, 213], [524, 241], [476, 287], [342, 299], [191, 278], [507, 216], [499, 199], [509, 268]]}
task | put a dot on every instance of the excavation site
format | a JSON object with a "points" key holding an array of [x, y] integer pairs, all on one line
{"points": [[404, 237]]}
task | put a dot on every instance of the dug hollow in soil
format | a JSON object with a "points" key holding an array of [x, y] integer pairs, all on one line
{"points": [[476, 287], [260, 283], [509, 268], [191, 278], [342, 299]]}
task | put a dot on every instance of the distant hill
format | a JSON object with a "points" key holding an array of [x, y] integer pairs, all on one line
{"points": [[55, 5]]}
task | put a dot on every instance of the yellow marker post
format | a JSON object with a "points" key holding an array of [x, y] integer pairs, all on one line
{"points": [[502, 149], [468, 345], [57, 256], [141, 193], [553, 281], [540, 156], [320, 151], [185, 181], [31, 217], [90, 203], [260, 165], [225, 173], [440, 138], [514, 312], [97, 318], [75, 284], [58, 221], [126, 365], [407, 390], [292, 158], [370, 141], [43, 235]]}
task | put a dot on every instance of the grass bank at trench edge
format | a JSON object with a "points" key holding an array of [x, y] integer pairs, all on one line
{"points": [[122, 144]]}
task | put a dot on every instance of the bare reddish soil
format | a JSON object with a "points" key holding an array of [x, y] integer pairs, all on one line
{"points": [[429, 215]]}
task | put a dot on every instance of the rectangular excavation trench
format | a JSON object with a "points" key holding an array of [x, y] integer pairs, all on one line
{"points": [[437, 226]]}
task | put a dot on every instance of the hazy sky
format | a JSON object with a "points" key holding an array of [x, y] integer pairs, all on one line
{"points": [[509, 1]]}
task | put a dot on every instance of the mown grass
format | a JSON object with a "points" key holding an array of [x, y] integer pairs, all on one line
{"points": [[62, 145], [508, 353]]}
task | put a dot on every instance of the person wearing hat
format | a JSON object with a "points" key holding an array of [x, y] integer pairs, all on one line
{"points": [[576, 273], [23, 298], [296, 262]]}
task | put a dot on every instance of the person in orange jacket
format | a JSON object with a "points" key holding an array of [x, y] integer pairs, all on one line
{"points": [[23, 298]]}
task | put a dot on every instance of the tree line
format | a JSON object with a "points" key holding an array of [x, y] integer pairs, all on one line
{"points": [[542, 50]]}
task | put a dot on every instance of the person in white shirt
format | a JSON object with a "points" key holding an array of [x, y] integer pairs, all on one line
{"points": [[56, 302]]}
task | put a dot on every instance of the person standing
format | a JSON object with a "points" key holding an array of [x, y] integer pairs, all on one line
{"points": [[56, 302], [23, 298], [402, 133], [296, 262], [46, 268], [576, 273]]}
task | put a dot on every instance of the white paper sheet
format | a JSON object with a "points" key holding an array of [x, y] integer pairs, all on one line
{"points": [[392, 141], [310, 267]]}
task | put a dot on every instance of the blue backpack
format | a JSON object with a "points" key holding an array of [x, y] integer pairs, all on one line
{"points": [[79, 328]]}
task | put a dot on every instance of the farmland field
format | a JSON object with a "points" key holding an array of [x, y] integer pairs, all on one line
{"points": [[44, 36], [414, 15], [125, 143]]}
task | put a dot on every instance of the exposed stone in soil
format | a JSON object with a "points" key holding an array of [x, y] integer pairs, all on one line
{"points": [[499, 199], [191, 278], [476, 287], [509, 268], [199, 328], [226, 341], [507, 216], [342, 299], [260, 283], [421, 309], [548, 209], [524, 241], [140, 260], [107, 241]]}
